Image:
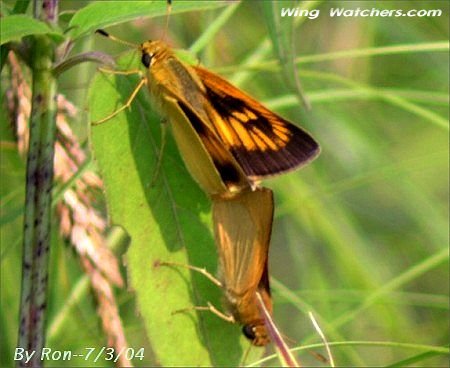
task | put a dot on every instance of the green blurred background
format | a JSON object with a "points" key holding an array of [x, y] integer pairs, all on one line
{"points": [[360, 237]]}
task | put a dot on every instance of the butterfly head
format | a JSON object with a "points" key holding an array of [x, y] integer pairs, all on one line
{"points": [[152, 52], [256, 333]]}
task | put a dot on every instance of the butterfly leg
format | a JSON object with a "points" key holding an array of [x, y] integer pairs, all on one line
{"points": [[203, 271], [120, 72], [161, 152], [211, 308], [125, 106]]}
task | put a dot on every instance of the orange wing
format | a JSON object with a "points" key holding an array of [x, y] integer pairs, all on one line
{"points": [[263, 143], [242, 227]]}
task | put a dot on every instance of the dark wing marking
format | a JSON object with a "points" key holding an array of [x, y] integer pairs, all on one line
{"points": [[263, 143]]}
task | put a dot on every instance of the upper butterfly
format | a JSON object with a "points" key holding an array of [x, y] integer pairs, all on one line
{"points": [[227, 139]]}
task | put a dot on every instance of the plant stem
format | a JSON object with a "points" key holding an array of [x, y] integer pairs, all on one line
{"points": [[37, 216]]}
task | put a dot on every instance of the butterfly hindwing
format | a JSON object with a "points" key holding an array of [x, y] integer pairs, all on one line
{"points": [[263, 143], [242, 227]]}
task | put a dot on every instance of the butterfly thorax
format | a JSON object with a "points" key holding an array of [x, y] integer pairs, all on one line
{"points": [[169, 77], [244, 307]]}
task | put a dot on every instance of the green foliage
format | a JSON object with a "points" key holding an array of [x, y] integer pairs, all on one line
{"points": [[360, 236], [14, 27], [107, 13]]}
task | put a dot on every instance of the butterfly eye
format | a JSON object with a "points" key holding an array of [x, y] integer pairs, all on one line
{"points": [[146, 59], [249, 332]]}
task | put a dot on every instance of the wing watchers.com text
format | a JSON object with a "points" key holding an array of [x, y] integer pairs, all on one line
{"points": [[359, 12]]}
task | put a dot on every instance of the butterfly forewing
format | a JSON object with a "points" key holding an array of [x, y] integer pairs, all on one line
{"points": [[263, 143]]}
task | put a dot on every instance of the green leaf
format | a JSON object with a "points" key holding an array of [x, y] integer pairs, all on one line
{"points": [[14, 27], [281, 35], [107, 13], [169, 221]]}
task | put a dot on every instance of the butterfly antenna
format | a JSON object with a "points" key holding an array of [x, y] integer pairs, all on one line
{"points": [[169, 9], [245, 356], [114, 38]]}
